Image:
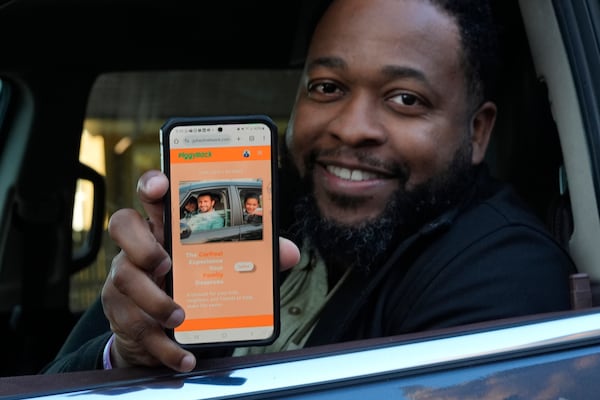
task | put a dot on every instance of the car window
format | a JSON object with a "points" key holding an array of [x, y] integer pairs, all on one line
{"points": [[251, 201], [1, 95], [13, 144], [4, 101], [120, 139]]}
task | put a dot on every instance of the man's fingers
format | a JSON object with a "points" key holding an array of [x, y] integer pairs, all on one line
{"points": [[130, 291], [138, 311], [130, 232], [160, 351], [168, 352], [142, 341], [133, 300], [151, 188]]}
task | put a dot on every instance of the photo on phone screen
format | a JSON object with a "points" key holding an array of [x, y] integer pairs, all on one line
{"points": [[221, 228]]}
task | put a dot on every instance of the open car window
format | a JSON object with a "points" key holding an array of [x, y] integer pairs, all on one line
{"points": [[546, 144]]}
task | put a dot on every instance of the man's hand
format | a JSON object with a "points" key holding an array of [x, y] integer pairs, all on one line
{"points": [[133, 297]]}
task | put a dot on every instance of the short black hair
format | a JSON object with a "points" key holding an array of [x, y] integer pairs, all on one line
{"points": [[251, 195], [478, 34], [479, 41], [213, 196], [191, 200]]}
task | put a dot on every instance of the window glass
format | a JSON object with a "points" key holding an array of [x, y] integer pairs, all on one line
{"points": [[3, 100], [120, 136]]}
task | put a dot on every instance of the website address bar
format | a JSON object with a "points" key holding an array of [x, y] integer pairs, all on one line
{"points": [[219, 140], [207, 139]]}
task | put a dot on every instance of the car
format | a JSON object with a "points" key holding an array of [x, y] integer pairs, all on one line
{"points": [[229, 198], [84, 89]]}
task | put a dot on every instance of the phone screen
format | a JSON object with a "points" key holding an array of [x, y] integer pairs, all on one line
{"points": [[220, 227]]}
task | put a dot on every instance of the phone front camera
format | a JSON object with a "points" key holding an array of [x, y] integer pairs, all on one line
{"points": [[220, 129]]}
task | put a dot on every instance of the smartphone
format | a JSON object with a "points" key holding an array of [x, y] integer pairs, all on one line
{"points": [[221, 228]]}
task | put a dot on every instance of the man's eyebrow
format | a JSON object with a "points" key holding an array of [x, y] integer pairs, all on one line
{"points": [[330, 62], [391, 71], [398, 71], [404, 72]]}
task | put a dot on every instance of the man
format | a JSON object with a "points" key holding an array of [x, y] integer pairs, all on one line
{"points": [[399, 223], [206, 218]]}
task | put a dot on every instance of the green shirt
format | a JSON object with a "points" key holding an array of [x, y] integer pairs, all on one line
{"points": [[303, 295], [205, 221]]}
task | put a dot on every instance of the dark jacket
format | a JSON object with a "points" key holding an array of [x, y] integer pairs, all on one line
{"points": [[490, 258]]}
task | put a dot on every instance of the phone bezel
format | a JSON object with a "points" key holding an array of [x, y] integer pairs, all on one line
{"points": [[165, 131]]}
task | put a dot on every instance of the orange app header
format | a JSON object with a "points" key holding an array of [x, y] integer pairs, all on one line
{"points": [[212, 154]]}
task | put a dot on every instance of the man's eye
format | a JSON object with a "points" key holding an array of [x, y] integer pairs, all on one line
{"points": [[328, 88], [324, 88], [406, 99]]}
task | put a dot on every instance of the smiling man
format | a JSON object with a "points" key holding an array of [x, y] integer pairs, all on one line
{"points": [[400, 218], [386, 131], [207, 217], [401, 228]]}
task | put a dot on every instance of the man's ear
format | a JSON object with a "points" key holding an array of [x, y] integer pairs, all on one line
{"points": [[482, 125]]}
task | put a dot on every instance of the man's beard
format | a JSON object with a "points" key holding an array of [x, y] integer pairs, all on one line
{"points": [[366, 245]]}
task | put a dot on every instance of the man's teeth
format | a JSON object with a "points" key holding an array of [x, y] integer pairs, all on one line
{"points": [[350, 174]]}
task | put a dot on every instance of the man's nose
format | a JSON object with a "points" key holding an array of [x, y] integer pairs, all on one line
{"points": [[357, 122]]}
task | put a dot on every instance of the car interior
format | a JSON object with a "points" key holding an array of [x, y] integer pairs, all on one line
{"points": [[117, 69], [222, 208]]}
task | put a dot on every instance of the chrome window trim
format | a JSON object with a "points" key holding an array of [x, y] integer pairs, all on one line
{"points": [[393, 359]]}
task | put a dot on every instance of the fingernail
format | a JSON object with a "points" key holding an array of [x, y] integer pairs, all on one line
{"points": [[150, 182], [188, 363], [146, 184], [162, 268], [175, 319]]}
